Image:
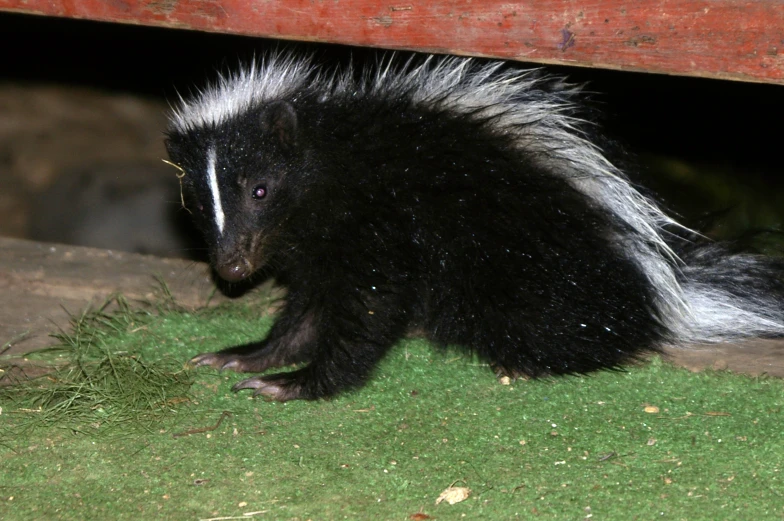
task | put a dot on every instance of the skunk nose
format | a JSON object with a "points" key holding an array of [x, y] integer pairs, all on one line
{"points": [[234, 271]]}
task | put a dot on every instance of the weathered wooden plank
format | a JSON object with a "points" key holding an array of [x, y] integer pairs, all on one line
{"points": [[42, 283], [732, 39]]}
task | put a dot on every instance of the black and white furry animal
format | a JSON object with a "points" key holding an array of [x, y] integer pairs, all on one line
{"points": [[458, 198]]}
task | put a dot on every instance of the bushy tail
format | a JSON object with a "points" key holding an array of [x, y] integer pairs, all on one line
{"points": [[731, 295]]}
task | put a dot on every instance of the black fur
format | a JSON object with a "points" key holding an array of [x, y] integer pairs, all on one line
{"points": [[381, 216]]}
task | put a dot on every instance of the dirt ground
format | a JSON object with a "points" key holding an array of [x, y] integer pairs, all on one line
{"points": [[48, 132]]}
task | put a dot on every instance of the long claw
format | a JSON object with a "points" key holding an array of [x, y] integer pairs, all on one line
{"points": [[234, 362], [279, 389], [234, 365], [249, 383], [209, 359]]}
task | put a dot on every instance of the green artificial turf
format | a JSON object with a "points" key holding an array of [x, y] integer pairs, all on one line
{"points": [[121, 431]]}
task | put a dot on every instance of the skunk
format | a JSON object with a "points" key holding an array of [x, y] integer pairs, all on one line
{"points": [[458, 198]]}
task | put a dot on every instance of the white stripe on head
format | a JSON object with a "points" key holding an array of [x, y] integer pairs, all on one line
{"points": [[216, 200]]}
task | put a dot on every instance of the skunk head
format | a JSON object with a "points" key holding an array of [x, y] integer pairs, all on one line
{"points": [[238, 183]]}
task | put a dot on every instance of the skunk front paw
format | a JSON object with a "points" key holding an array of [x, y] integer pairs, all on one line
{"points": [[281, 387], [241, 363]]}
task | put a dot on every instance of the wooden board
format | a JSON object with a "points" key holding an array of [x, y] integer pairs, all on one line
{"points": [[731, 39], [43, 285]]}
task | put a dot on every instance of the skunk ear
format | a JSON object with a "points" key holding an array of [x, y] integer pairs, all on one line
{"points": [[280, 119]]}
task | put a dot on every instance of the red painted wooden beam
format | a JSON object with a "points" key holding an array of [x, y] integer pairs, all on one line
{"points": [[731, 39]]}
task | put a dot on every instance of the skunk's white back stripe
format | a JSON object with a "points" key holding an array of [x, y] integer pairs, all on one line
{"points": [[216, 199]]}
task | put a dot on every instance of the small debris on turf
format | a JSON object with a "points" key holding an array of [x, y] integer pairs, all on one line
{"points": [[608, 456], [454, 495], [202, 429]]}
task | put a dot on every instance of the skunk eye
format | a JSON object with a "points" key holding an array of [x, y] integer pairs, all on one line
{"points": [[259, 192]]}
